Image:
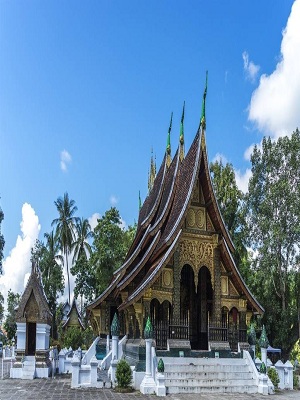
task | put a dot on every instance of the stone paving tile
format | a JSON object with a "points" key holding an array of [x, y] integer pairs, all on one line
{"points": [[60, 389]]}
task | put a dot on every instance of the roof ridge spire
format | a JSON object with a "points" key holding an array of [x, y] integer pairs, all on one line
{"points": [[168, 149], [152, 172], [181, 136], [203, 118], [140, 201]]}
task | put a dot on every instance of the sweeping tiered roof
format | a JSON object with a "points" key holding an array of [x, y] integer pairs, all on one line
{"points": [[161, 220], [34, 304]]}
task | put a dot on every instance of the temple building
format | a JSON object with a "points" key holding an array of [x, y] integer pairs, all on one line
{"points": [[71, 316], [33, 319], [180, 269]]}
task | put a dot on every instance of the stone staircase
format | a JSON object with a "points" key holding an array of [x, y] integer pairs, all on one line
{"points": [[214, 375], [28, 369]]}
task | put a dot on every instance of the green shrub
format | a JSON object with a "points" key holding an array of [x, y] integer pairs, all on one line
{"points": [[123, 374], [295, 353], [73, 337], [273, 375]]}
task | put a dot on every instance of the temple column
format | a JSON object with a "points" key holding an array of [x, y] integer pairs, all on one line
{"points": [[176, 287], [217, 285]]}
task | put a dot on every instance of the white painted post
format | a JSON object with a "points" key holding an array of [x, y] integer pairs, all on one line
{"points": [[113, 365], [160, 385], [114, 348], [61, 362], [148, 385], [288, 375], [75, 371], [107, 344], [264, 355], [280, 370], [94, 365]]}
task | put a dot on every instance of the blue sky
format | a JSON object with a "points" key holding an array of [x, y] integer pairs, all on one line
{"points": [[87, 89]]}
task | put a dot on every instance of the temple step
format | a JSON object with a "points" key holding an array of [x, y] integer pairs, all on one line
{"points": [[191, 375]]}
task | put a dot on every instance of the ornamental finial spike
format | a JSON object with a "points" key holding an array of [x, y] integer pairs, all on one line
{"points": [[252, 336], [140, 201], [263, 341], [115, 326], [203, 118], [181, 136], [168, 149], [148, 332]]}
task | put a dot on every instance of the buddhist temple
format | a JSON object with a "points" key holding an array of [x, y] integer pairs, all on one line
{"points": [[180, 269], [71, 316], [33, 319]]}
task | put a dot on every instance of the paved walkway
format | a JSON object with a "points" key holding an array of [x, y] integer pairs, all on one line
{"points": [[60, 389]]}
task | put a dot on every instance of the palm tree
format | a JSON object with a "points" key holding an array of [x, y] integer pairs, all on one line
{"points": [[52, 275], [65, 224], [53, 249], [81, 246]]}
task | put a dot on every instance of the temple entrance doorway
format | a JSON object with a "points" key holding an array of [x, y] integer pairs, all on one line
{"points": [[196, 297], [31, 338]]}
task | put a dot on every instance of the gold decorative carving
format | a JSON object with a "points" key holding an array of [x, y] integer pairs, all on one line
{"points": [[230, 303], [223, 268], [191, 218], [209, 224], [195, 197], [31, 312], [242, 304], [124, 296], [138, 308], [200, 218], [148, 294], [168, 278], [196, 218], [161, 296], [202, 201], [224, 285], [232, 289], [248, 318], [197, 253]]}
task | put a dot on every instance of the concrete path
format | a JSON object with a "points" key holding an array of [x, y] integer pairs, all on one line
{"points": [[60, 389]]}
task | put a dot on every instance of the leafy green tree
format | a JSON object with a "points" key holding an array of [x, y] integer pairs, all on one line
{"points": [[111, 243], [231, 203], [273, 219], [1, 308], [73, 337], [2, 241], [50, 262], [65, 225], [10, 325]]}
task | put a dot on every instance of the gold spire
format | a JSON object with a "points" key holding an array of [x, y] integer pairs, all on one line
{"points": [[203, 118], [168, 149], [181, 136], [152, 172]]}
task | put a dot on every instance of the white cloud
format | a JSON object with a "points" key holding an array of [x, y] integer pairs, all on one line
{"points": [[17, 265], [65, 160], [275, 104], [113, 200], [93, 220], [250, 68], [219, 157], [242, 179], [123, 224]]}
